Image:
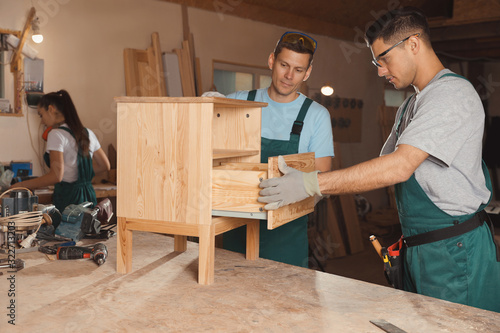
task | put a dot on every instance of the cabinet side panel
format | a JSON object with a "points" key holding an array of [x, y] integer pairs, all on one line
{"points": [[163, 168], [127, 152]]}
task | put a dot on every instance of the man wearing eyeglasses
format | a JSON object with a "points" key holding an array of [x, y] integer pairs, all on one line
{"points": [[433, 157], [291, 123]]}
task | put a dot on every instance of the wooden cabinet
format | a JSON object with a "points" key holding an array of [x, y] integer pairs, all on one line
{"points": [[191, 167]]}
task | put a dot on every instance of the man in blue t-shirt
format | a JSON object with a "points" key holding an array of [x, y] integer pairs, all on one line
{"points": [[291, 123]]}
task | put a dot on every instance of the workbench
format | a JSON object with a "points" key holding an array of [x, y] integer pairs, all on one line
{"points": [[101, 191], [162, 294]]}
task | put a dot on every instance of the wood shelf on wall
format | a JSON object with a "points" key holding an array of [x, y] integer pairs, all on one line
{"points": [[16, 64]]}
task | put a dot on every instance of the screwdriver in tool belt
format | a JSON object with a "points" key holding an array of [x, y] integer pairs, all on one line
{"points": [[376, 245]]}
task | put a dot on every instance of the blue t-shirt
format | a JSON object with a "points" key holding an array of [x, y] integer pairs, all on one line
{"points": [[278, 118]]}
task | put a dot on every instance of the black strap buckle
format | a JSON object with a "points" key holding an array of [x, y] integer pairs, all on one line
{"points": [[297, 127]]}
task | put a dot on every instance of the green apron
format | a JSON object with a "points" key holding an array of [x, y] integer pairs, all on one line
{"points": [[79, 191], [289, 243], [462, 269]]}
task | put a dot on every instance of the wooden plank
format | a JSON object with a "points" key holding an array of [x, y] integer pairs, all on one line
{"points": [[243, 166], [206, 256], [228, 153], [197, 70], [352, 226], [253, 240], [303, 162], [187, 89], [218, 102], [134, 62], [224, 224], [279, 17], [189, 61], [185, 21], [123, 247], [349, 213], [237, 190], [158, 64], [130, 72], [475, 11], [165, 227], [144, 75], [339, 249], [180, 243], [186, 70], [16, 57]]}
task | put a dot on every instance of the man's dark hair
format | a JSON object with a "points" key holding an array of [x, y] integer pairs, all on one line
{"points": [[398, 24], [295, 47]]}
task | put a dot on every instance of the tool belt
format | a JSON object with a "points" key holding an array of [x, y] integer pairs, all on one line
{"points": [[455, 230], [393, 257], [394, 254]]}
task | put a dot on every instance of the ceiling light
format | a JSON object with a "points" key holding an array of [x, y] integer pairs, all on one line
{"points": [[327, 90]]}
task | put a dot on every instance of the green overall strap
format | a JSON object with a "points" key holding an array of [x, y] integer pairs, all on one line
{"points": [[401, 116], [251, 95], [79, 191], [299, 122], [452, 74]]}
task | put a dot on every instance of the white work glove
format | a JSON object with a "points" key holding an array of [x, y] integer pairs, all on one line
{"points": [[212, 94], [294, 186]]}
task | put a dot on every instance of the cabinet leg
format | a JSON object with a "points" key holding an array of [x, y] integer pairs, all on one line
{"points": [[206, 254], [180, 243], [252, 251], [124, 247]]}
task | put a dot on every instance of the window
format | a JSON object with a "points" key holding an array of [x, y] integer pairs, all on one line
{"points": [[395, 97], [230, 77]]}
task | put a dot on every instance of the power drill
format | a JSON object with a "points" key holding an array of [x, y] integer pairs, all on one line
{"points": [[98, 253]]}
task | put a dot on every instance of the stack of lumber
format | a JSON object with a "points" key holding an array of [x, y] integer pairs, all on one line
{"points": [[144, 74]]}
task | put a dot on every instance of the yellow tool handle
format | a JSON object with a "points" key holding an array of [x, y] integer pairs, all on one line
{"points": [[376, 245]]}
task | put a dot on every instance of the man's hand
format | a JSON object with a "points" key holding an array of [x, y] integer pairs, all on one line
{"points": [[212, 94], [294, 186]]}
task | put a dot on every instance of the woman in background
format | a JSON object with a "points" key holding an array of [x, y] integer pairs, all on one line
{"points": [[73, 153]]}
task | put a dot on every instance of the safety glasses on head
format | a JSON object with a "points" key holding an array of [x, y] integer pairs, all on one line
{"points": [[375, 61], [293, 37]]}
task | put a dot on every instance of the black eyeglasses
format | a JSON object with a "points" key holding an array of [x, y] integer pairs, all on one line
{"points": [[375, 61], [298, 37]]}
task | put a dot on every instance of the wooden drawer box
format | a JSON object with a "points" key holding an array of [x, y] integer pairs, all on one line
{"points": [[235, 188], [191, 167]]}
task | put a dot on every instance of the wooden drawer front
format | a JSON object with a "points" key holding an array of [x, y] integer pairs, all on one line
{"points": [[235, 189]]}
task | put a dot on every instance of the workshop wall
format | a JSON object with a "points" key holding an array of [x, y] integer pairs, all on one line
{"points": [[83, 53], [490, 89]]}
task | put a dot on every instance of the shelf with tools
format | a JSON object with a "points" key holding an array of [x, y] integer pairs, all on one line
{"points": [[190, 166]]}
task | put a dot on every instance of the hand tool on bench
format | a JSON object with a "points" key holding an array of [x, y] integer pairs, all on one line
{"points": [[386, 326]]}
